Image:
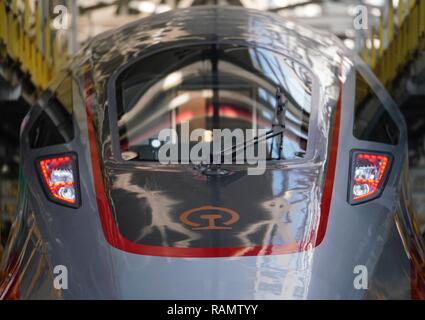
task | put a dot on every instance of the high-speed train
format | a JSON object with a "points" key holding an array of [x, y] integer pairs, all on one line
{"points": [[102, 217]]}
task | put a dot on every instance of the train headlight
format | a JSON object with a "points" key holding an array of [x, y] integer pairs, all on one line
{"points": [[59, 177], [368, 174]]}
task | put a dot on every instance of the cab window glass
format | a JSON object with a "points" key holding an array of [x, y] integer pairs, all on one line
{"points": [[54, 124], [213, 87], [372, 122]]}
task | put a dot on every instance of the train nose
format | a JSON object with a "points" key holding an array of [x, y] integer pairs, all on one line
{"points": [[226, 278]]}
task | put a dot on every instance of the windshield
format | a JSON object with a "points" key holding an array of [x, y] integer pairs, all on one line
{"points": [[212, 87]]}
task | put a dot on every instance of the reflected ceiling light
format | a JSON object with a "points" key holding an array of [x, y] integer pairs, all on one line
{"points": [[376, 43], [352, 10], [163, 8], [172, 80], [261, 5], [179, 100], [280, 3], [350, 33], [208, 136], [5, 169], [349, 43], [146, 7], [369, 44], [129, 155], [207, 93], [264, 5], [377, 3], [375, 12], [185, 3], [309, 10]]}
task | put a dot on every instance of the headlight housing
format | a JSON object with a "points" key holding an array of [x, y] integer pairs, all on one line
{"points": [[369, 171], [60, 178]]}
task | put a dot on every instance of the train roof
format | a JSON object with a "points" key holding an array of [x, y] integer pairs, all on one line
{"points": [[320, 51]]}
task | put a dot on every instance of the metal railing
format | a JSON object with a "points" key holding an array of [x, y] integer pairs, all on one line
{"points": [[28, 38], [398, 42]]}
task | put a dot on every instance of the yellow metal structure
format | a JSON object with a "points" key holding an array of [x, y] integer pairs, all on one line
{"points": [[397, 45], [28, 38]]}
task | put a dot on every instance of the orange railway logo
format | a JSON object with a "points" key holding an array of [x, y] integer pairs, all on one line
{"points": [[212, 218]]}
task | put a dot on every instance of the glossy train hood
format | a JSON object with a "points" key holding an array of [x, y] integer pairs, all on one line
{"points": [[232, 215]]}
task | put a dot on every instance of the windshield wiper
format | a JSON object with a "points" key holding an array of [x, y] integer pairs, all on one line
{"points": [[278, 130], [280, 118]]}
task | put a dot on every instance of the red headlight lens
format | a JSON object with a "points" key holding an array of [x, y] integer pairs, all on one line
{"points": [[59, 175], [368, 174]]}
